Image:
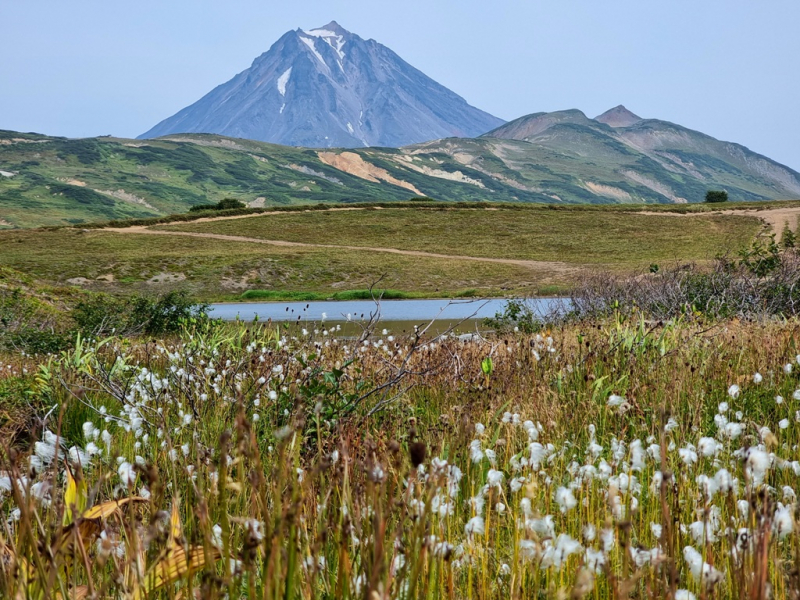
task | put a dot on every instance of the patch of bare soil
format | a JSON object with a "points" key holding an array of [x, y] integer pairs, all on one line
{"points": [[167, 278], [776, 218], [353, 164]]}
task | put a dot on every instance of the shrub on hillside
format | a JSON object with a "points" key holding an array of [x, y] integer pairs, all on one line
{"points": [[225, 204], [29, 325], [716, 196], [230, 204]]}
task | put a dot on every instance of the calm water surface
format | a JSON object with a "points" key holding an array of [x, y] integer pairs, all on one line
{"points": [[390, 310]]}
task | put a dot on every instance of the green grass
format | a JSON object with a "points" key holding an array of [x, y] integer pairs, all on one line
{"points": [[221, 270], [573, 236], [271, 295], [579, 240]]}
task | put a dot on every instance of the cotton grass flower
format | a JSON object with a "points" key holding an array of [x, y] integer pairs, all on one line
{"points": [[656, 529], [707, 446], [688, 455], [615, 400], [475, 526], [565, 499], [783, 522], [556, 555], [494, 479], [757, 465], [701, 571], [127, 473]]}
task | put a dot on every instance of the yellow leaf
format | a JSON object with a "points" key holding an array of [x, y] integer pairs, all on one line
{"points": [[175, 521], [176, 565], [80, 592], [89, 525], [106, 509], [88, 530], [75, 497]]}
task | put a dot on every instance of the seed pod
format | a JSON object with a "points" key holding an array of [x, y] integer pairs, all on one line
{"points": [[417, 451]]}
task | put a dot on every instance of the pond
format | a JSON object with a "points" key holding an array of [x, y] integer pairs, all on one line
{"points": [[390, 310]]}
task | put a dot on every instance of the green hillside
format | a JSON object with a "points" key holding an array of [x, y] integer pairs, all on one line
{"points": [[554, 158]]}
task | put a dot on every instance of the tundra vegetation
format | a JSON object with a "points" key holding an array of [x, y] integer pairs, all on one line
{"points": [[530, 250], [614, 452]]}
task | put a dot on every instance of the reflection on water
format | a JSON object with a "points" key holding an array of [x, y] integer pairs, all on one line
{"points": [[406, 311]]}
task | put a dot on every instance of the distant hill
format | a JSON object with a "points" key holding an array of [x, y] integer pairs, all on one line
{"points": [[623, 157], [326, 88], [558, 158]]}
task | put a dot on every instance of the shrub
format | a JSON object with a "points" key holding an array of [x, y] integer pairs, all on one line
{"points": [[517, 315], [230, 203], [763, 283], [225, 204], [28, 325], [104, 314], [716, 196], [788, 237], [203, 207]]}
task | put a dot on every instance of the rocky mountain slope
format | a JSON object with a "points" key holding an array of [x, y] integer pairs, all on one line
{"points": [[328, 87]]}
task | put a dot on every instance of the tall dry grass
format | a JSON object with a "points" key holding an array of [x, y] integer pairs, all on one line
{"points": [[608, 459]]}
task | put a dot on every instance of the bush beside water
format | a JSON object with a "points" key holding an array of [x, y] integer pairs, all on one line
{"points": [[34, 323]]}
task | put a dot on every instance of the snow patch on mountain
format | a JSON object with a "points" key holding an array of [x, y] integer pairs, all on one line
{"points": [[320, 33], [333, 39], [283, 80], [311, 46]]}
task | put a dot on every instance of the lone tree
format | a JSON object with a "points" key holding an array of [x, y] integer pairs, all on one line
{"points": [[716, 196]]}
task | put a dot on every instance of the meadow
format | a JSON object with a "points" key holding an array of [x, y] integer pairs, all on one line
{"points": [[577, 237], [522, 251], [607, 459]]}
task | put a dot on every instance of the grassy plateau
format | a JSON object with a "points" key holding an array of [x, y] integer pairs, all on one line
{"points": [[529, 250]]}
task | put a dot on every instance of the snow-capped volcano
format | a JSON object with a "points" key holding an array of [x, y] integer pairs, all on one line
{"points": [[327, 87]]}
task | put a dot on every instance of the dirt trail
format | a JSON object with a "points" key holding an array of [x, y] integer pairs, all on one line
{"points": [[559, 267], [776, 218], [272, 213]]}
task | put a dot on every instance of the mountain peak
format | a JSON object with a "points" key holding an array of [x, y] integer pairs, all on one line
{"points": [[619, 116], [327, 87], [334, 27], [532, 125]]}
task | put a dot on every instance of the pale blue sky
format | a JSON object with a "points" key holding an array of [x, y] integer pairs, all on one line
{"points": [[726, 67]]}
